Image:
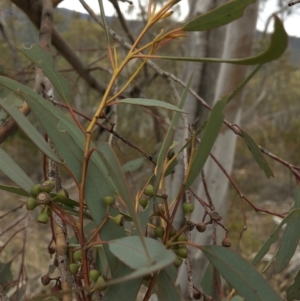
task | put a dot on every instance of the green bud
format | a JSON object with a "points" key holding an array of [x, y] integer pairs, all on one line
{"points": [[94, 275], [47, 186], [77, 255], [43, 218], [62, 195], [188, 208], [48, 210], [182, 252], [101, 284], [159, 231], [143, 201], [181, 237], [31, 203], [36, 189], [74, 267], [119, 220], [149, 190], [178, 261], [108, 200]]}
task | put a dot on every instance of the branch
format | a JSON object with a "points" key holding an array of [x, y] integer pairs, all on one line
{"points": [[123, 20]]}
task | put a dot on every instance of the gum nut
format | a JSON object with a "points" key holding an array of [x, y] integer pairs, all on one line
{"points": [[149, 190], [77, 255], [188, 207], [108, 200], [181, 237], [74, 267], [159, 231], [43, 218], [119, 220], [62, 195], [36, 189], [143, 201], [101, 284], [43, 198], [201, 227], [94, 275], [31, 203], [178, 261]]}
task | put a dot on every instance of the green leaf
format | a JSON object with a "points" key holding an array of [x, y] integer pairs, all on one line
{"points": [[294, 214], [30, 131], [126, 248], [6, 275], [133, 165], [219, 16], [210, 133], [208, 282], [44, 60], [257, 155], [129, 250], [128, 289], [277, 46], [290, 239], [16, 190], [11, 169], [165, 285], [293, 292], [240, 274], [150, 103]]}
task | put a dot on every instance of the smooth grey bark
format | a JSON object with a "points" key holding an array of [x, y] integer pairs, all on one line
{"points": [[238, 43], [199, 44]]}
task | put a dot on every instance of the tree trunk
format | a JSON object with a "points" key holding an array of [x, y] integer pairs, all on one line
{"points": [[238, 43]]}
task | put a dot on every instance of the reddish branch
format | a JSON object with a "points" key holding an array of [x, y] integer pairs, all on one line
{"points": [[242, 196]]}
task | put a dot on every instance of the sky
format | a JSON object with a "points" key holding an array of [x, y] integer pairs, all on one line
{"points": [[291, 22]]}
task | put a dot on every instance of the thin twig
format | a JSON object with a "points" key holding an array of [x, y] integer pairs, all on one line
{"points": [[242, 196], [110, 130], [293, 2]]}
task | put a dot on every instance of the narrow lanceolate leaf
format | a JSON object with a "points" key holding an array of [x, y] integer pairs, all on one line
{"points": [[150, 103], [30, 131], [257, 155], [290, 239], [210, 281], [16, 190], [44, 61], [12, 170], [277, 46], [219, 16], [130, 251], [294, 214], [293, 292], [240, 274], [209, 137]]}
